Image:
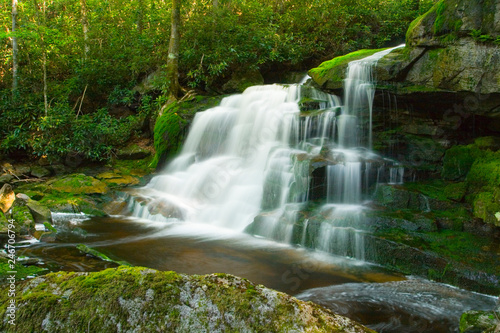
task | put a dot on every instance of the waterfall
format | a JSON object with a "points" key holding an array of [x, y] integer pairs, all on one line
{"points": [[247, 165]]}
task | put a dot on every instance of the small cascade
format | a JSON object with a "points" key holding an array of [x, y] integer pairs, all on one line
{"points": [[359, 91], [255, 161]]}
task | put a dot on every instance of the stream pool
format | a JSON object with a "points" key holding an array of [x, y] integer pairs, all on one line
{"points": [[383, 300]]}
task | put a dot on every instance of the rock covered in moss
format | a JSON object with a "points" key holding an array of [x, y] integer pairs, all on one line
{"points": [[132, 152], [144, 300], [78, 184], [480, 321], [330, 74], [171, 127]]}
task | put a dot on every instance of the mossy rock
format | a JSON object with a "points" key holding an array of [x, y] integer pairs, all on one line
{"points": [[4, 223], [73, 203], [145, 300], [330, 74], [479, 321], [23, 218], [113, 179], [458, 161], [39, 211], [171, 127], [488, 142], [79, 184], [487, 206], [132, 152], [485, 171], [22, 270]]}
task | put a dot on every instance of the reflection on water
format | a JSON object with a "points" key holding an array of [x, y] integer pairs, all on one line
{"points": [[385, 301]]}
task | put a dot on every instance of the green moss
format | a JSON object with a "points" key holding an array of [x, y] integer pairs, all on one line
{"points": [[98, 254], [479, 321], [487, 206], [168, 136], [485, 171], [77, 184], [22, 271], [440, 17], [334, 70], [488, 142], [171, 127], [142, 299], [49, 227], [458, 161]]}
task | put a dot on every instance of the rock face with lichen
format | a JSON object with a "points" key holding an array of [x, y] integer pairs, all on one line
{"points": [[128, 299], [451, 58]]}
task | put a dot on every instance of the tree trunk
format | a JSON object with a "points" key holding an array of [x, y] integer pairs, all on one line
{"points": [[172, 74], [41, 22], [85, 27], [140, 16], [15, 49], [45, 89]]}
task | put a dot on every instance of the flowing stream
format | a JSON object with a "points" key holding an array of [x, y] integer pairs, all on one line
{"points": [[271, 185]]}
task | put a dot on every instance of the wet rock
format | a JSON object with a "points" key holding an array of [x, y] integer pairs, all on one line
{"points": [[132, 152], [7, 198], [22, 198], [79, 184], [40, 172], [117, 179], [397, 197], [40, 213], [146, 300], [5, 179]]}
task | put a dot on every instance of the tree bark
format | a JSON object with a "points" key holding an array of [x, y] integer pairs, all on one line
{"points": [[172, 74], [15, 50], [85, 28], [45, 88], [140, 16]]}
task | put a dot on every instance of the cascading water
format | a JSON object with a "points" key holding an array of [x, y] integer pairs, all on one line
{"points": [[250, 162]]}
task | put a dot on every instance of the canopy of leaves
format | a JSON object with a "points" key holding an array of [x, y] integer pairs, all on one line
{"points": [[128, 40]]}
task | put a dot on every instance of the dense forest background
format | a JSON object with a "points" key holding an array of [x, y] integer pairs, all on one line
{"points": [[78, 62]]}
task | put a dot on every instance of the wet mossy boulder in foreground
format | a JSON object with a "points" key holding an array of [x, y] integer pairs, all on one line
{"points": [[145, 300]]}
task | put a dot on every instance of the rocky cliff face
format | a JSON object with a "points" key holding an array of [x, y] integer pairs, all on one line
{"points": [[451, 62]]}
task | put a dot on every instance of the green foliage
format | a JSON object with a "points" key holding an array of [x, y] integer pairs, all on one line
{"points": [[169, 130], [127, 41]]}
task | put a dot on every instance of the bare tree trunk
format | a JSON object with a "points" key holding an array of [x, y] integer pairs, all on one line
{"points": [[15, 50], [85, 27], [45, 99], [140, 16], [215, 4], [41, 22], [173, 50]]}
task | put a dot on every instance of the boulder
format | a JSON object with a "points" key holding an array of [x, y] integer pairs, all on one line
{"points": [[479, 321], [79, 184], [7, 198], [40, 172], [132, 152], [145, 300], [40, 213]]}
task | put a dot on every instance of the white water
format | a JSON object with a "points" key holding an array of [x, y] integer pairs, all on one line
{"points": [[250, 160]]}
